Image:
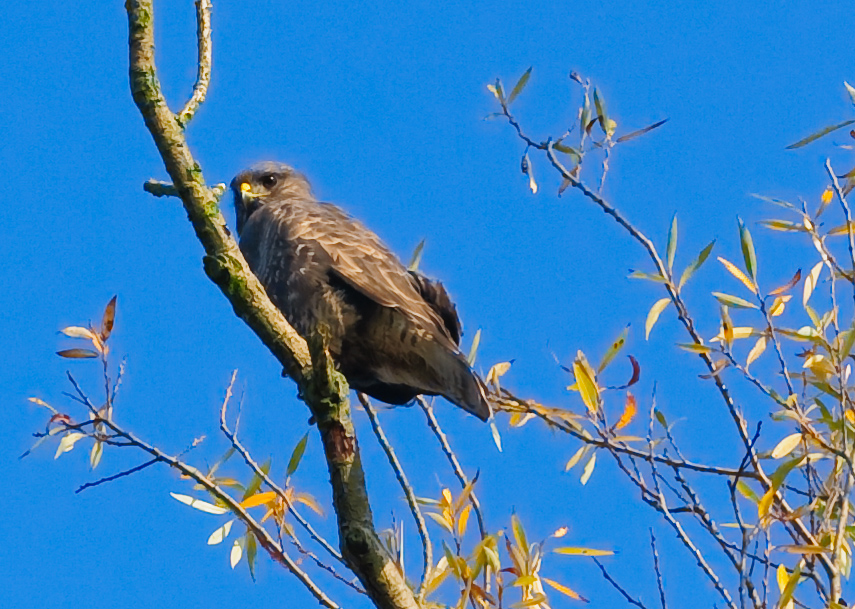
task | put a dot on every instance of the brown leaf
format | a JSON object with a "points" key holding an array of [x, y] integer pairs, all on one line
{"points": [[77, 353], [108, 319], [789, 285]]}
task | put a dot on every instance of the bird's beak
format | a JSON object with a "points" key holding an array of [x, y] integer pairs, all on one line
{"points": [[246, 192]]}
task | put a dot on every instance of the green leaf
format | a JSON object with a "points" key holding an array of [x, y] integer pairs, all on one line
{"points": [[585, 114], [692, 268], [748, 250], [617, 345], [519, 534], [649, 276], [589, 469], [746, 491], [672, 243], [255, 483], [784, 226], [521, 83], [577, 156], [634, 134], [473, 350], [417, 256], [819, 134], [602, 115], [778, 202], [733, 301], [297, 454], [251, 552]]}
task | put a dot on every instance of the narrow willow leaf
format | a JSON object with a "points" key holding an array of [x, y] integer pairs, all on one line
{"points": [[736, 272], [734, 301], [521, 83], [786, 599], [296, 455], [77, 353], [671, 247], [442, 521], [589, 469], [258, 499], [571, 551], [846, 346], [696, 348], [236, 553], [851, 90], [417, 256], [473, 350], [778, 202], [577, 156], [565, 590], [255, 483], [519, 534], [822, 132], [577, 456], [786, 446], [586, 382], [95, 454], [78, 332], [202, 506], [634, 134], [726, 327], [653, 315], [108, 319], [220, 534], [756, 351], [692, 268], [783, 226], [811, 281], [765, 503], [630, 408], [649, 276], [840, 230], [746, 491], [537, 599], [824, 200], [497, 437], [787, 286], [805, 549], [251, 552], [748, 254], [66, 444], [606, 124], [617, 345]]}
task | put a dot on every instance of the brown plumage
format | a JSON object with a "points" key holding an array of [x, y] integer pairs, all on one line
{"points": [[394, 333]]}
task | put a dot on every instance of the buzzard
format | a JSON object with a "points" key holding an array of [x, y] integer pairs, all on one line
{"points": [[394, 333]]}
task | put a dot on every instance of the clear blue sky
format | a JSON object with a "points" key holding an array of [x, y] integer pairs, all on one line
{"points": [[381, 106]]}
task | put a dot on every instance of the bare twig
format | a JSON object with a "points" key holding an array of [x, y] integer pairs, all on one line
{"points": [[127, 472], [658, 571], [415, 510], [618, 587], [452, 459], [203, 62]]}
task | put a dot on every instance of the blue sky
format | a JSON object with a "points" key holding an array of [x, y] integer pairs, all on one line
{"points": [[381, 105]]}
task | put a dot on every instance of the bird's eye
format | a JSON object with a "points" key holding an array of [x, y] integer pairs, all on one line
{"points": [[268, 181]]}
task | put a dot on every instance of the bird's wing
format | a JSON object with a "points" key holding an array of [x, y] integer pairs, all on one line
{"points": [[436, 296], [358, 257]]}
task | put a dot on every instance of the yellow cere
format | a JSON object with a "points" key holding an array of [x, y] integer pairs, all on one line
{"points": [[245, 187]]}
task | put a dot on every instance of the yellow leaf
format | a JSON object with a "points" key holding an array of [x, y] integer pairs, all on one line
{"points": [[537, 599], [563, 589], [496, 371], [463, 519], [68, 441], [442, 521], [695, 348], [805, 549], [811, 282], [779, 304], [653, 315], [756, 351], [577, 456], [734, 270], [766, 502], [786, 446], [827, 195], [560, 532], [738, 332], [575, 551], [587, 384], [782, 576], [78, 332], [446, 495], [589, 469], [629, 410], [310, 502], [258, 499]]}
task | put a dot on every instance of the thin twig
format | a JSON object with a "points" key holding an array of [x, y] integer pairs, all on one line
{"points": [[452, 459], [203, 63], [850, 230], [415, 510], [244, 453], [658, 571], [127, 472], [617, 586]]}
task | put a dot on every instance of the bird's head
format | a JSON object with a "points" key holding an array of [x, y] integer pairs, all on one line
{"points": [[265, 182]]}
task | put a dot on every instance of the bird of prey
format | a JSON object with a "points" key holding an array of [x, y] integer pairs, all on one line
{"points": [[394, 334]]}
